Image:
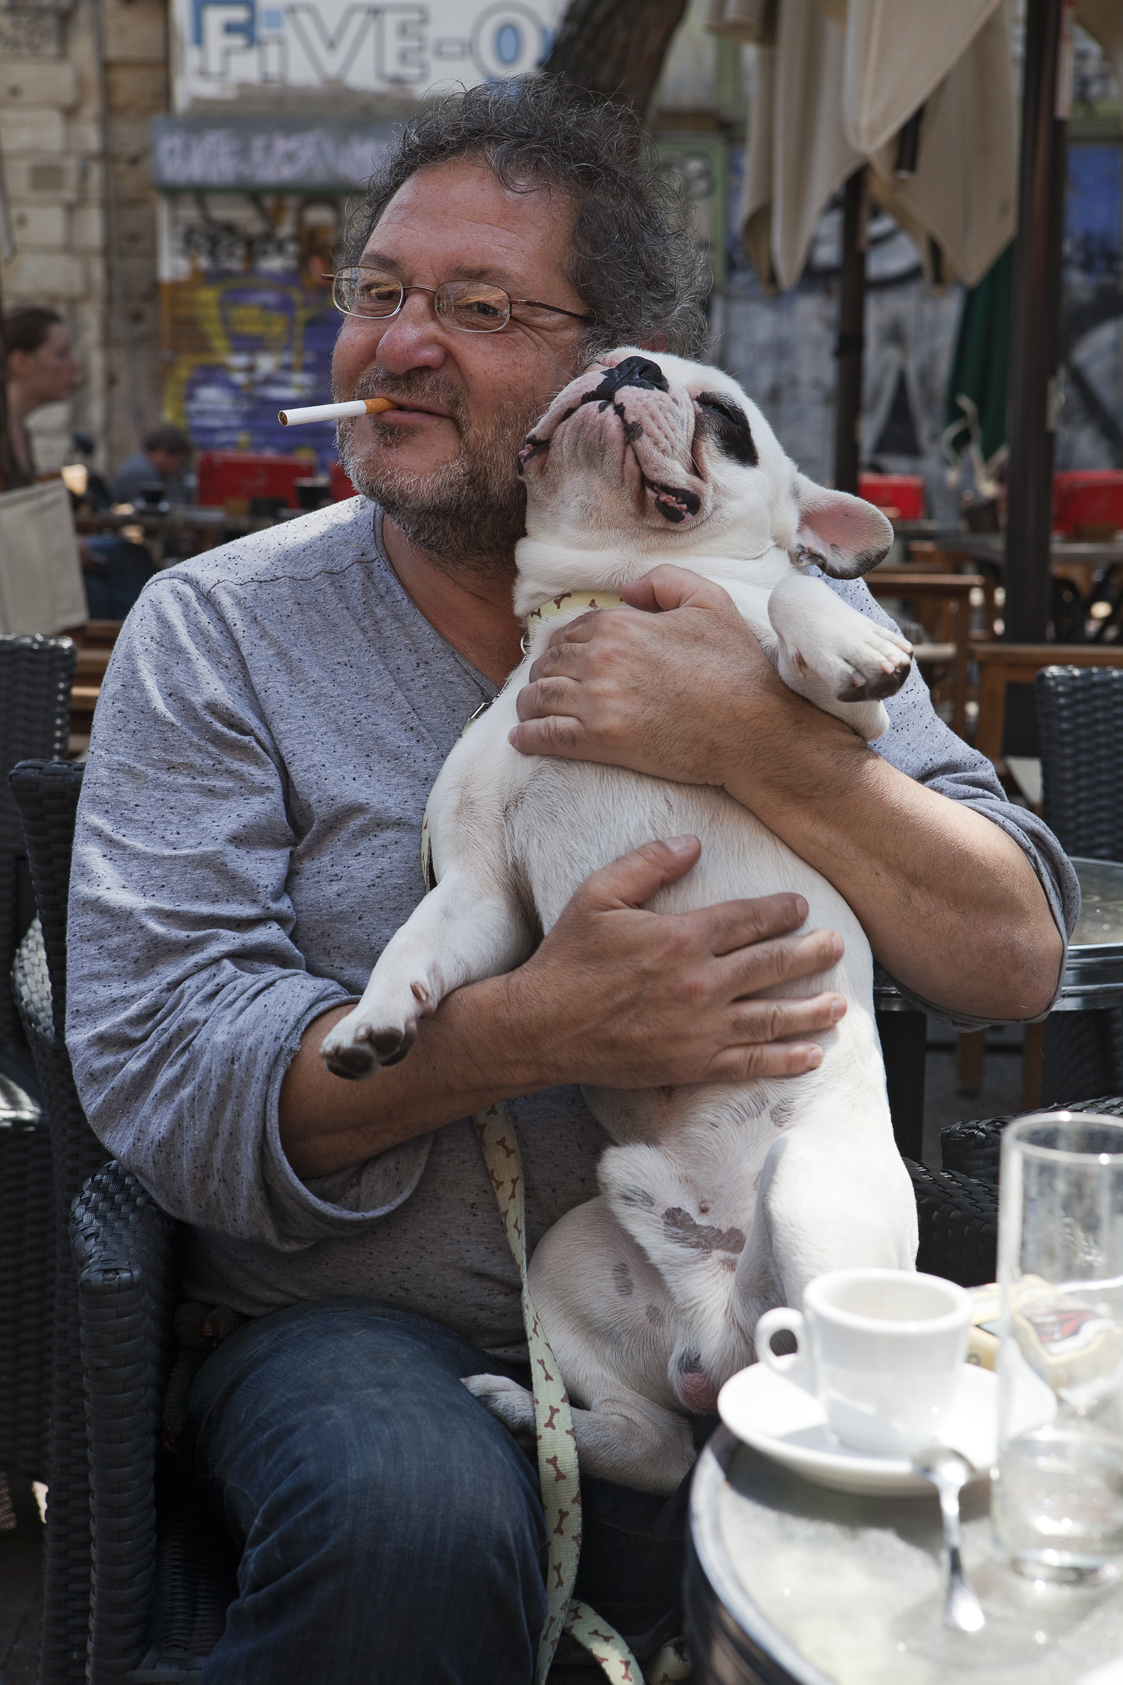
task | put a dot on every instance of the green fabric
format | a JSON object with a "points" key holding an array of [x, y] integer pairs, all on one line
{"points": [[981, 363]]}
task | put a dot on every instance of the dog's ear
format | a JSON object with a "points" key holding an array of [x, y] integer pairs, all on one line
{"points": [[844, 535]]}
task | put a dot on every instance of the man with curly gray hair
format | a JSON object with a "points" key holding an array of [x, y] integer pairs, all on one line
{"points": [[631, 270], [272, 722]]}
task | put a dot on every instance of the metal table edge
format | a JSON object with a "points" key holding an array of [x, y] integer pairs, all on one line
{"points": [[710, 1475]]}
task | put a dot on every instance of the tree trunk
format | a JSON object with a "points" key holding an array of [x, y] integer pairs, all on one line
{"points": [[615, 46]]}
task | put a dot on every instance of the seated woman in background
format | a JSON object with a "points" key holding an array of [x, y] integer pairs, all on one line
{"points": [[42, 369]]}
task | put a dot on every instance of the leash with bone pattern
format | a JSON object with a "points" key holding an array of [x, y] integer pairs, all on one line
{"points": [[553, 1421], [557, 1449]]}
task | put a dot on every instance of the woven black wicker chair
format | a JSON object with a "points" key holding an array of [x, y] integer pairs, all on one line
{"points": [[974, 1149], [35, 678], [27, 1262], [46, 795], [1080, 729]]}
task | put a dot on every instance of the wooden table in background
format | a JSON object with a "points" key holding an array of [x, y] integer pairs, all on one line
{"points": [[954, 590]]}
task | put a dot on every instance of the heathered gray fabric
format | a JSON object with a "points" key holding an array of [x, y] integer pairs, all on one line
{"points": [[272, 720]]}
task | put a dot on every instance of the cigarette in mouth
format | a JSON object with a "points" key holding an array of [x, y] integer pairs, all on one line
{"points": [[333, 412]]}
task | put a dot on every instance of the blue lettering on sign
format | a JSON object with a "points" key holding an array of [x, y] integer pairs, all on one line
{"points": [[508, 43], [273, 19], [245, 27]]}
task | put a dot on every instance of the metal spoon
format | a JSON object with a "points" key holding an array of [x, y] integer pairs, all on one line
{"points": [[948, 1472]]}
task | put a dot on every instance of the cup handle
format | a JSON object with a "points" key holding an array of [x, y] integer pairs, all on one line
{"points": [[797, 1368]]}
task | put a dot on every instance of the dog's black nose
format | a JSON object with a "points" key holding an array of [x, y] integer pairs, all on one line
{"points": [[633, 371]]}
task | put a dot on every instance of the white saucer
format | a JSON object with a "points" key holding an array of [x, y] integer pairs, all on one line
{"points": [[775, 1416]]}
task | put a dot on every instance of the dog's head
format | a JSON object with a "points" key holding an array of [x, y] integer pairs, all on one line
{"points": [[650, 455]]}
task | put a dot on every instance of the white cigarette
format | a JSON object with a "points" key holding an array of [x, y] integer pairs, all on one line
{"points": [[334, 412]]}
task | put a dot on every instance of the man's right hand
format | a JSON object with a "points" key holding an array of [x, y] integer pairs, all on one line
{"points": [[620, 997], [615, 996]]}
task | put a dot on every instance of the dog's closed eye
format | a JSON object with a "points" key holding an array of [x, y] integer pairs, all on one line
{"points": [[728, 426]]}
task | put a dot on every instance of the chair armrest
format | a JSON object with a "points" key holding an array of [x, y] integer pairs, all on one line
{"points": [[127, 1254], [958, 1221], [975, 1148]]}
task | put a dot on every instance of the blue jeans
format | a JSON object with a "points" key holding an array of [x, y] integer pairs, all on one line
{"points": [[391, 1529]]}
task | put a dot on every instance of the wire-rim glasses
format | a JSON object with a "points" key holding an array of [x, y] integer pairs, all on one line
{"points": [[468, 306]]}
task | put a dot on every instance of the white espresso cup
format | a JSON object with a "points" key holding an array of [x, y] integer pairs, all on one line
{"points": [[880, 1349]]}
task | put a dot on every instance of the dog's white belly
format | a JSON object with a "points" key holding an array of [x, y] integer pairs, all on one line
{"points": [[738, 1192]]}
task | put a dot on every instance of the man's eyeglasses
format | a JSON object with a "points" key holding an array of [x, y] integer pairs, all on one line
{"points": [[469, 306]]}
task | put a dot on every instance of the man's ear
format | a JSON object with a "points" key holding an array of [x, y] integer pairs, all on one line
{"points": [[844, 535]]}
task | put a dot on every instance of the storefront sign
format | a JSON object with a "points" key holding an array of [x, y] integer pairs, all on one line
{"points": [[259, 154], [225, 45]]}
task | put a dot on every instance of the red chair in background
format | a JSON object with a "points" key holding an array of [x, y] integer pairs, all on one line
{"points": [[1088, 503], [236, 478], [900, 496]]}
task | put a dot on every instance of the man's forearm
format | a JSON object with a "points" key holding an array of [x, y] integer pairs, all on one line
{"points": [[460, 1062], [950, 903]]}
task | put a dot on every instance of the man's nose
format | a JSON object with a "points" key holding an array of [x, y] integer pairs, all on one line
{"points": [[633, 371], [414, 337]]}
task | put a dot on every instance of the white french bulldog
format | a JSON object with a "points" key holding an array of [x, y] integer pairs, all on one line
{"points": [[719, 1200]]}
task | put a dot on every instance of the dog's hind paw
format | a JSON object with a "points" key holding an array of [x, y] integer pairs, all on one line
{"points": [[508, 1402]]}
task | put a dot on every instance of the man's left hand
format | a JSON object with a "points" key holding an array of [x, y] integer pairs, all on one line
{"points": [[667, 692]]}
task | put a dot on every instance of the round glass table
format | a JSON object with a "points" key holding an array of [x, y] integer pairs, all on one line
{"points": [[792, 1584]]}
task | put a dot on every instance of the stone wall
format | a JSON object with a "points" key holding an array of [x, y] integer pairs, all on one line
{"points": [[55, 112]]}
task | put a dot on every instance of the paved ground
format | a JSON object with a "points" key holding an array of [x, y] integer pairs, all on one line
{"points": [[20, 1529]]}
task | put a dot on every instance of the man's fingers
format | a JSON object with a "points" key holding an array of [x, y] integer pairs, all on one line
{"points": [[667, 587], [545, 696], [561, 655], [633, 878], [558, 734], [728, 926], [765, 1059], [767, 1037], [759, 1022], [761, 966]]}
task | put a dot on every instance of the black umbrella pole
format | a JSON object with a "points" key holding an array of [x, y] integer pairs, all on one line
{"points": [[1035, 330], [851, 332]]}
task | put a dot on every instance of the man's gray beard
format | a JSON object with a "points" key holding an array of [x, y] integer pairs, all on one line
{"points": [[469, 513]]}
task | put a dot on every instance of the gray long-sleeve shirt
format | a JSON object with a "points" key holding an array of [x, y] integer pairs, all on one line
{"points": [[273, 718]]}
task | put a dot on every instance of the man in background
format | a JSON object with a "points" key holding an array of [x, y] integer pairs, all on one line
{"points": [[162, 462]]}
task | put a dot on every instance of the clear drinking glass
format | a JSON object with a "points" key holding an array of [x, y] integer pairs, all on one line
{"points": [[1057, 1504]]}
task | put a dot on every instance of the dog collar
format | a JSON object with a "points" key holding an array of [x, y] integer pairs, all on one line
{"points": [[570, 600]]}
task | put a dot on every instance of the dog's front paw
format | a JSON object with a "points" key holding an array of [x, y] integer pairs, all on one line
{"points": [[871, 664], [508, 1402], [355, 1047]]}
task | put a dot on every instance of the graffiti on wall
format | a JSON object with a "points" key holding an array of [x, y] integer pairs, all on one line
{"points": [[247, 323], [1090, 429]]}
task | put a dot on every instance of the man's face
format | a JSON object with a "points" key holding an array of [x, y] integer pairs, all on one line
{"points": [[166, 463], [443, 465]]}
